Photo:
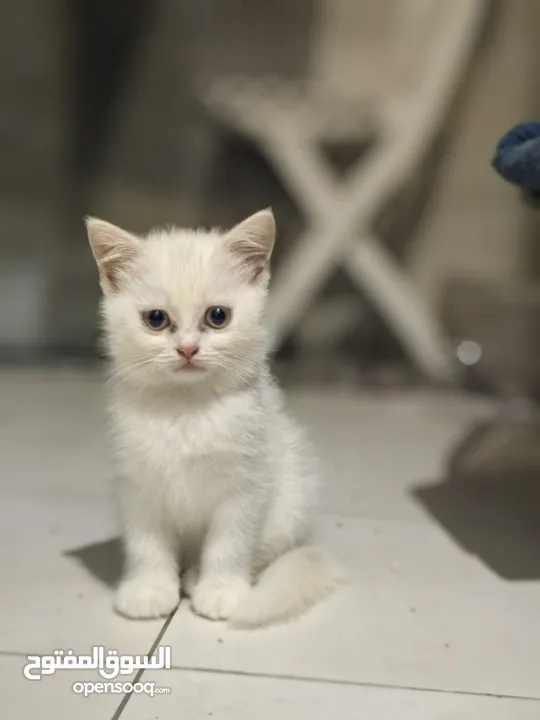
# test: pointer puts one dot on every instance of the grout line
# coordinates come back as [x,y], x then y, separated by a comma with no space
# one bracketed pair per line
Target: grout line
[290,678]
[121,707]
[350,683]
[16,653]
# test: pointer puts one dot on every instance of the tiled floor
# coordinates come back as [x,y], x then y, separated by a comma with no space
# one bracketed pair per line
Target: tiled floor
[425,629]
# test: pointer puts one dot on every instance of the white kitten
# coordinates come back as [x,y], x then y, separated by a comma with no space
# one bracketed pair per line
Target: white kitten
[216,483]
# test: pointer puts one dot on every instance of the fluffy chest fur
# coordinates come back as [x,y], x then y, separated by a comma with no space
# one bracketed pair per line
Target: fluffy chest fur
[190,453]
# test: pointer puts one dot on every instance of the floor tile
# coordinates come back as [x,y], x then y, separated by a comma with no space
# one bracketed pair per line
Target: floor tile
[51,697]
[418,612]
[374,448]
[201,696]
[57,518]
[424,607]
[50,598]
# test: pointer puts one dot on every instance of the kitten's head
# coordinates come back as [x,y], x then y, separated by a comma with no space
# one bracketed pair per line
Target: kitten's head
[184,306]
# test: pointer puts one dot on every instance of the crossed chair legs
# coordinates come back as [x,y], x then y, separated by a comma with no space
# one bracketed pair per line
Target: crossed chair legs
[340,214]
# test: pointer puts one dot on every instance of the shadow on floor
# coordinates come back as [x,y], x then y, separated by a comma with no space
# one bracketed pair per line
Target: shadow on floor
[491,505]
[104,561]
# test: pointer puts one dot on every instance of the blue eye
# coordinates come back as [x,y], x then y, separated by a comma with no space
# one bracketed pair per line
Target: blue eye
[217,317]
[156,319]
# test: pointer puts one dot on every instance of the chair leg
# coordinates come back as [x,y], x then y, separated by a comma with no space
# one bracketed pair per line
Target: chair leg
[375,272]
[298,281]
[373,269]
[318,252]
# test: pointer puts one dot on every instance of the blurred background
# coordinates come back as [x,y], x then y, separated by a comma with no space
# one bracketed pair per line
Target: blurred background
[201,113]
[110,109]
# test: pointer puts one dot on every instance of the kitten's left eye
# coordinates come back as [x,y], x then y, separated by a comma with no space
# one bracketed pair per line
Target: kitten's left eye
[156,319]
[217,317]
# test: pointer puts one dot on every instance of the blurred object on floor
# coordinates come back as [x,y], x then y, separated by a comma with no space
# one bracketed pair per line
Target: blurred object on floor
[419,71]
[490,500]
[502,443]
[493,478]
[496,328]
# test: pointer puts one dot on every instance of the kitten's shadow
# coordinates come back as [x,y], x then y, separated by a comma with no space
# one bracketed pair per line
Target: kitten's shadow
[104,560]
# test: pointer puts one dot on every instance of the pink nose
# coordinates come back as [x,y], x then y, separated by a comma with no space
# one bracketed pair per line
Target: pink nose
[188,351]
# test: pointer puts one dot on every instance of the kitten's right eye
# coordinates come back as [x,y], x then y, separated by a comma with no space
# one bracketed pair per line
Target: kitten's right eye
[156,319]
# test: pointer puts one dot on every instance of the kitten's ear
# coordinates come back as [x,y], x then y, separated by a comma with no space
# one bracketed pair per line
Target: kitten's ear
[252,242]
[113,249]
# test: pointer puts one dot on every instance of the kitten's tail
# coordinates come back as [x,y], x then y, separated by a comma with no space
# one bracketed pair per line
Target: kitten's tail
[288,587]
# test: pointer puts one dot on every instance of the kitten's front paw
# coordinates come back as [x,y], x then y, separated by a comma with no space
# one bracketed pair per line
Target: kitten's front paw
[216,598]
[147,597]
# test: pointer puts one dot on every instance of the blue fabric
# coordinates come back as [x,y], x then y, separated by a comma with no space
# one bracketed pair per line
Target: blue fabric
[517,156]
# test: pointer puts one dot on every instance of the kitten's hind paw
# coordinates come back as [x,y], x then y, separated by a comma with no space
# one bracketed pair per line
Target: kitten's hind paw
[146,597]
[216,598]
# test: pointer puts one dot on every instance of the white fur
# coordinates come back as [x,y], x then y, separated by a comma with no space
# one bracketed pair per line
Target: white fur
[216,481]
